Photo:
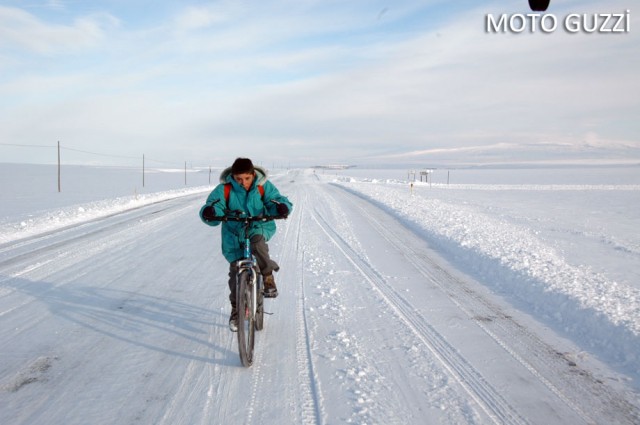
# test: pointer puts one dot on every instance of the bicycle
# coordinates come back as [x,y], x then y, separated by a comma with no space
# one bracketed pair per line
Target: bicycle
[249,296]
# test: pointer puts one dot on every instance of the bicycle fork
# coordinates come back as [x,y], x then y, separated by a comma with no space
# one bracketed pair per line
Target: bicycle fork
[246,266]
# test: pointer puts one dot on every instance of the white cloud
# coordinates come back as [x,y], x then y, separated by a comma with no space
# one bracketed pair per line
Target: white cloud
[20,28]
[193,18]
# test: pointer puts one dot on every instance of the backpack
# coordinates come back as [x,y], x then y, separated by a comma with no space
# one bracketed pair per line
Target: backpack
[227,191]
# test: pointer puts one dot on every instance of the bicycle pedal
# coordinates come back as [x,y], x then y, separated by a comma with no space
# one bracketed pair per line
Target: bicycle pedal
[270,294]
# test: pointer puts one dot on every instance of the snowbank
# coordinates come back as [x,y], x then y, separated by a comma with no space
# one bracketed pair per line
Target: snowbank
[36,223]
[513,261]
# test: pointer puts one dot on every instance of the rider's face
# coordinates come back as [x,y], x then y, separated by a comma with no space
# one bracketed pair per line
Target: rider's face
[244,179]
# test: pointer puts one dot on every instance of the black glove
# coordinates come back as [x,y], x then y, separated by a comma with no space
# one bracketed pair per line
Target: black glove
[208,213]
[282,209]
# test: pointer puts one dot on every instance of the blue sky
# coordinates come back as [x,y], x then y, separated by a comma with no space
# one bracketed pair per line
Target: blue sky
[307,82]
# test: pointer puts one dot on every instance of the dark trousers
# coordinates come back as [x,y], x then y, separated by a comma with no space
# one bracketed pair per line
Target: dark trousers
[260,250]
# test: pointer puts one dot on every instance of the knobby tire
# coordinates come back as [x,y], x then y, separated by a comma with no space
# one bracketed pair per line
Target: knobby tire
[260,309]
[246,319]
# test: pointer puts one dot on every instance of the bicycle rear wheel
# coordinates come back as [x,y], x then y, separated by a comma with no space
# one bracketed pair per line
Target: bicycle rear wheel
[246,319]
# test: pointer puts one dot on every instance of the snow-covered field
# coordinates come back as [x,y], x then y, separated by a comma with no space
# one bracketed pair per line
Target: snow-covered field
[502,296]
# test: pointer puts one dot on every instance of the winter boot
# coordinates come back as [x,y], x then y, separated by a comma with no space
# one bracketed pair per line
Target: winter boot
[233,320]
[270,290]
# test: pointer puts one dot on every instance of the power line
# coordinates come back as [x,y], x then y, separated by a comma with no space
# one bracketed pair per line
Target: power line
[118,156]
[162,162]
[174,164]
[28,146]
[98,154]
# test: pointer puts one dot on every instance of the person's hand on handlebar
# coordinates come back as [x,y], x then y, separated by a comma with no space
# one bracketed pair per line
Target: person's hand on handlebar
[208,213]
[282,209]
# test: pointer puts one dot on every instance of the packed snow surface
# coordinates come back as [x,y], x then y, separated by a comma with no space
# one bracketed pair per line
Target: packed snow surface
[478,296]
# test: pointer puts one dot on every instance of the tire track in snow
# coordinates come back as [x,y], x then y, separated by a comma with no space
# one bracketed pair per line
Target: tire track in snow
[465,298]
[556,372]
[361,385]
[256,380]
[290,257]
[308,404]
[39,257]
[311,406]
[126,318]
[204,382]
[494,405]
[26,255]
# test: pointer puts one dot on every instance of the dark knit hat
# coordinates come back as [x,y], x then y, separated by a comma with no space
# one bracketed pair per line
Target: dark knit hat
[242,166]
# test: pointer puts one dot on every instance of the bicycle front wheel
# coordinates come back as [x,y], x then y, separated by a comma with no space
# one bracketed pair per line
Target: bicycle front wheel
[246,320]
[260,306]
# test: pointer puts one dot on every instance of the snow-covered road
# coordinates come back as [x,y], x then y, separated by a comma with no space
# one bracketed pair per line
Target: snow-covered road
[123,320]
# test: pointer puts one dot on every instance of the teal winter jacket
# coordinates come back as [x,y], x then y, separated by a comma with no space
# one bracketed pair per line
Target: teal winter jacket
[250,202]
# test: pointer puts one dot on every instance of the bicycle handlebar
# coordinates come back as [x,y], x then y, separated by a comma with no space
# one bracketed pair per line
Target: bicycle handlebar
[247,218]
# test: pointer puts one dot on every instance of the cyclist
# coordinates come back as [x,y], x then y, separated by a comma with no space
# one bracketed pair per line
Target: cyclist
[244,187]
